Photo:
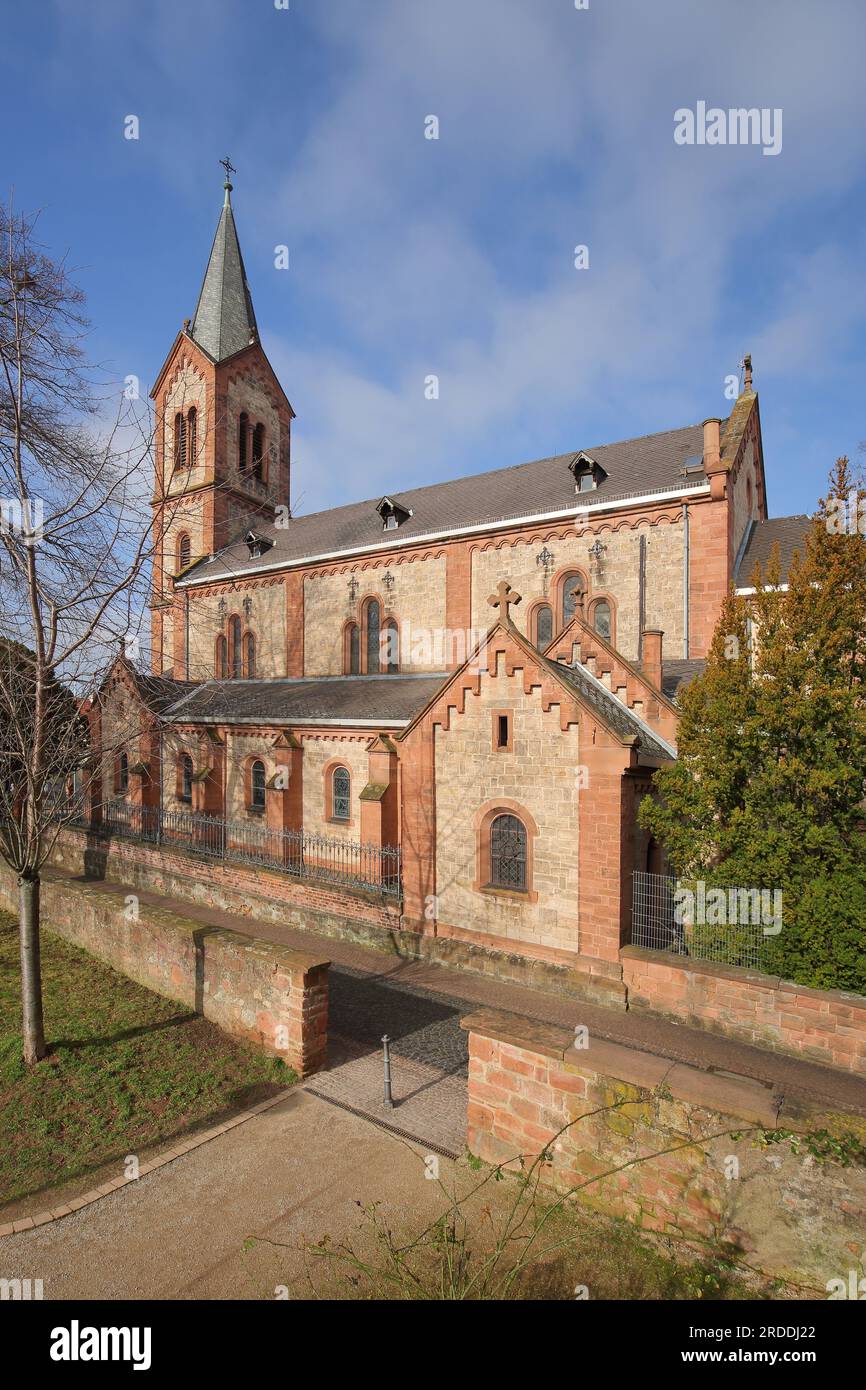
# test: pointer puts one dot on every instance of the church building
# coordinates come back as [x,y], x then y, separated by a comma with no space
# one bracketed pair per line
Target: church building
[454,695]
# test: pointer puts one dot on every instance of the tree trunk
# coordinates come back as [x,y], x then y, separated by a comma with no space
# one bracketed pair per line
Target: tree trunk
[33,1027]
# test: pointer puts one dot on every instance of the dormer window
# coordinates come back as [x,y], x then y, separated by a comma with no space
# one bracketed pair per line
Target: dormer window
[393,514]
[587,473]
[257,544]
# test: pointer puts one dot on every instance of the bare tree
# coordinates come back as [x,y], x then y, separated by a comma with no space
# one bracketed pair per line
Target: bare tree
[76,482]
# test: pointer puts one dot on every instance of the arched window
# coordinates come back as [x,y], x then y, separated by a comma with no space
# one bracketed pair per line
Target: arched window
[184,550]
[249,657]
[243,436]
[259,451]
[235,650]
[508,853]
[374,623]
[185,779]
[340,793]
[191,434]
[543,626]
[601,619]
[123,773]
[391,648]
[257,786]
[179,441]
[352,651]
[572,588]
[221,665]
[749,496]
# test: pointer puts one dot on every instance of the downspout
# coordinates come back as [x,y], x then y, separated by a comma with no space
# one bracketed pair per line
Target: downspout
[186,633]
[685,580]
[641,596]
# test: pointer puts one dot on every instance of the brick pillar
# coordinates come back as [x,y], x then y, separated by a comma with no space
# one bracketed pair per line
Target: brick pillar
[603,859]
[379,797]
[208,791]
[418,823]
[458,596]
[652,656]
[295,623]
[286,807]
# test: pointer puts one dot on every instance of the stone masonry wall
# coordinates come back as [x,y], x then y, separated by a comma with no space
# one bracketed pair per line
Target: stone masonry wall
[618,580]
[826,1026]
[417,597]
[538,775]
[663,1145]
[319,754]
[267,620]
[262,993]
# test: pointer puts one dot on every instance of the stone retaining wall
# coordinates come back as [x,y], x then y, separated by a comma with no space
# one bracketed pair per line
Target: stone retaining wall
[666,1146]
[823,1025]
[266,895]
[264,994]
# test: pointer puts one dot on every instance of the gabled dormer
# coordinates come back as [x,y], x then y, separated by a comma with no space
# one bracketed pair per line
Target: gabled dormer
[257,544]
[588,474]
[393,514]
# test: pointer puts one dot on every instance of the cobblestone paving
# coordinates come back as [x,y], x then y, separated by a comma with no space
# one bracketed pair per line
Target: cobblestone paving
[429,1058]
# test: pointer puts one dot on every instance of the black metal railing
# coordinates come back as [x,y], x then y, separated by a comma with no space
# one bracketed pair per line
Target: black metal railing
[328,859]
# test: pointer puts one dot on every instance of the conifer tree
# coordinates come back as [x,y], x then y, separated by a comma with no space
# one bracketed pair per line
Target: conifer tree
[768,789]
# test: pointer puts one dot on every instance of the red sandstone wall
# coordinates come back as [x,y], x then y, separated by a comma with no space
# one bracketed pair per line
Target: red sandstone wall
[264,994]
[826,1026]
[215,883]
[663,1145]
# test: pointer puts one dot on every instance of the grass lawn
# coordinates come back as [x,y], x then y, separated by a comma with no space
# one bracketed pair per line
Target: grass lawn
[127,1070]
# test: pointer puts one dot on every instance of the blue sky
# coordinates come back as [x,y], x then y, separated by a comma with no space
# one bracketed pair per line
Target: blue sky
[411,257]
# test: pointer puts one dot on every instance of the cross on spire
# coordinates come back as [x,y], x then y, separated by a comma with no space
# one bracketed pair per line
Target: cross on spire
[228,166]
[503,599]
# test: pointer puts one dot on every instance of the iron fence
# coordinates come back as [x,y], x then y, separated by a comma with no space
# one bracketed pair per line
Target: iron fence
[683,918]
[330,860]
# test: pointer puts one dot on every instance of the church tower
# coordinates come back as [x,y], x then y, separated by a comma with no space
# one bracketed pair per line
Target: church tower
[223,438]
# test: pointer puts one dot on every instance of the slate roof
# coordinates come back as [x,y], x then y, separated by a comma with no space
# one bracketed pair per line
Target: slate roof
[158,692]
[789,532]
[224,321]
[677,674]
[611,711]
[651,463]
[348,699]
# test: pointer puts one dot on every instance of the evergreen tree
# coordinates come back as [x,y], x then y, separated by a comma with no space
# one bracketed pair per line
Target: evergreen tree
[768,789]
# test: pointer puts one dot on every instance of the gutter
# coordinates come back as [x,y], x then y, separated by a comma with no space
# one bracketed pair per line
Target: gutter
[285,720]
[685,581]
[583,513]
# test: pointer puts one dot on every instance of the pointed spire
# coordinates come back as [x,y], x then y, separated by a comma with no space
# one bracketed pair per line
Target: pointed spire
[225,321]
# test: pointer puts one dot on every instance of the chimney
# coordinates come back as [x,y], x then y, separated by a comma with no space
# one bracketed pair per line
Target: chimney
[651,665]
[715,470]
[712,444]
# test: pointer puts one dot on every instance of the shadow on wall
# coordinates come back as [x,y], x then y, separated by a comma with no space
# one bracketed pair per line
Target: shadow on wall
[199,940]
[95,858]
